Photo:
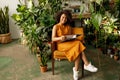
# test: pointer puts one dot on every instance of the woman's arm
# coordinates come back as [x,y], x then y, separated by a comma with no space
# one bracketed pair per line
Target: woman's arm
[54,35]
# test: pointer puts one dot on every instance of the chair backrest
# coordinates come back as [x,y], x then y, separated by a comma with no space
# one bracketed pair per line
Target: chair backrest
[78,30]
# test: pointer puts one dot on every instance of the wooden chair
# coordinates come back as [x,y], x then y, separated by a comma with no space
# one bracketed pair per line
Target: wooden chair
[60,55]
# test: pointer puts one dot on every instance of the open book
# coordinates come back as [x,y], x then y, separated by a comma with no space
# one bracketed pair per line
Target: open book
[71,37]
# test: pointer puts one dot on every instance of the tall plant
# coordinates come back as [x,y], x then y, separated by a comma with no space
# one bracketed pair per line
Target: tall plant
[36,22]
[95,17]
[118,8]
[4,20]
[95,20]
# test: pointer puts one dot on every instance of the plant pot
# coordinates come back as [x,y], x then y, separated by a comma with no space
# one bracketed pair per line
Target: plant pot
[23,38]
[38,58]
[111,56]
[116,58]
[5,38]
[23,41]
[49,44]
[43,68]
[100,49]
[35,49]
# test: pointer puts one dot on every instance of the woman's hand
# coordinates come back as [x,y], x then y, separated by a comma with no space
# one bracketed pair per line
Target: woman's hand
[63,38]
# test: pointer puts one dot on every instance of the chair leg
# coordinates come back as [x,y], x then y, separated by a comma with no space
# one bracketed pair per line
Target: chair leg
[53,66]
[82,64]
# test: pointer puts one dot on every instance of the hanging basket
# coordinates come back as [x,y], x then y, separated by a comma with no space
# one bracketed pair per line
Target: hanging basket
[5,38]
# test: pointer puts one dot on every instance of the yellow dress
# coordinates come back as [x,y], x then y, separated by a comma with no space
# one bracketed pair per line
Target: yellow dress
[71,49]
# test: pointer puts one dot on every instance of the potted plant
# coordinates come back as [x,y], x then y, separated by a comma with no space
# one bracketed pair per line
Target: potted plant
[44,56]
[36,23]
[4,25]
[117,51]
[30,19]
[116,56]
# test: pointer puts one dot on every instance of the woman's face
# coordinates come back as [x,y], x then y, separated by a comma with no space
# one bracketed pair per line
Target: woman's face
[63,19]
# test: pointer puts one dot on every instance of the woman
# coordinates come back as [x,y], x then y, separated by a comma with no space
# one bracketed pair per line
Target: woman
[73,49]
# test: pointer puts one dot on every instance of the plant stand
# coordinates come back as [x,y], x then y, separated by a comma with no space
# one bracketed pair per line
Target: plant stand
[5,38]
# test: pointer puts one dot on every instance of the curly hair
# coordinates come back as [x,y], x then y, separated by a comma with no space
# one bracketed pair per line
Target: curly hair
[67,13]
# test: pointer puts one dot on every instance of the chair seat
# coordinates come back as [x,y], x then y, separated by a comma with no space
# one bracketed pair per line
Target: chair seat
[59,55]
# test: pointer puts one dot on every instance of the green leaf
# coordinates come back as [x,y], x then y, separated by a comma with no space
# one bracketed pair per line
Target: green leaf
[96,20]
[91,8]
[16,17]
[21,8]
[99,1]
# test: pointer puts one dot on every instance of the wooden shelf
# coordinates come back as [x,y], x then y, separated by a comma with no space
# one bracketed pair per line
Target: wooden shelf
[76,16]
[76,6]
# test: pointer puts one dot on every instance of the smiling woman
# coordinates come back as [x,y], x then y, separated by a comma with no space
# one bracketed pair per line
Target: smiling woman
[73,50]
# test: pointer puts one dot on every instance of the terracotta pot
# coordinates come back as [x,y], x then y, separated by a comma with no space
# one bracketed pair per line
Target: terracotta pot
[38,58]
[100,49]
[5,38]
[116,58]
[23,38]
[23,41]
[49,43]
[43,68]
[35,49]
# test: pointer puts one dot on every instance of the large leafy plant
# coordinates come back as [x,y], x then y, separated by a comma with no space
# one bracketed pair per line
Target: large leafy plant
[94,22]
[102,22]
[36,22]
[109,25]
[41,16]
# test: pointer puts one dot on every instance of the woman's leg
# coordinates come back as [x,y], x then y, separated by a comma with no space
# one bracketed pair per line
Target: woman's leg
[77,63]
[84,58]
[87,65]
[76,68]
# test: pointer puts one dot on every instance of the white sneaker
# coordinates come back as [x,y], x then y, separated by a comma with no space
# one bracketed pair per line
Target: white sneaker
[75,74]
[90,68]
